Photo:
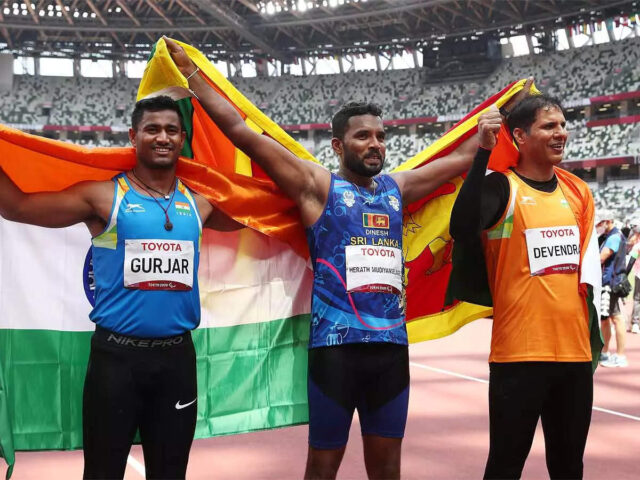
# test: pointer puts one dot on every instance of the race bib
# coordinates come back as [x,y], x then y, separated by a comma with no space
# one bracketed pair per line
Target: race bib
[553,249]
[373,269]
[158,264]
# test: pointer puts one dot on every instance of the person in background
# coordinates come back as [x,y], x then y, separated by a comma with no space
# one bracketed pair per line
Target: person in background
[612,258]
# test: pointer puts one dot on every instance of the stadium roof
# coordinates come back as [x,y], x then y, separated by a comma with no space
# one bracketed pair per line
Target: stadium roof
[232,29]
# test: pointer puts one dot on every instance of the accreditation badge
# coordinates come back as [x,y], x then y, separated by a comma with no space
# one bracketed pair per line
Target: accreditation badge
[553,249]
[158,264]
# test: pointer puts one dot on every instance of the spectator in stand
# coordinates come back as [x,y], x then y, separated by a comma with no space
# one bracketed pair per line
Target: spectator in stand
[612,258]
[634,267]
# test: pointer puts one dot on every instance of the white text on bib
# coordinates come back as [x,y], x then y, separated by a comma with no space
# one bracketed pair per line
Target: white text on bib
[158,264]
[553,249]
[373,269]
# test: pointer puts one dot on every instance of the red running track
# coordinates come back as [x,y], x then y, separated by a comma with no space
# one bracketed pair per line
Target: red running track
[447,432]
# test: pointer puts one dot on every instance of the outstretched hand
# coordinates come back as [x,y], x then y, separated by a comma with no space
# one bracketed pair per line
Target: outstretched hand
[489,124]
[180,57]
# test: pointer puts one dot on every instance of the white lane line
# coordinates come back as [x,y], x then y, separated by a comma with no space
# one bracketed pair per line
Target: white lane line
[448,372]
[619,414]
[482,380]
[136,465]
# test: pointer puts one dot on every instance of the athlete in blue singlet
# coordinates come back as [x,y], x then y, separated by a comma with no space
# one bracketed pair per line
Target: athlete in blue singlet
[356,251]
[146,228]
[358,356]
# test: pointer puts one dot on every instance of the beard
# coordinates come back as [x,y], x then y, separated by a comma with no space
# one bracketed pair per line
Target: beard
[357,165]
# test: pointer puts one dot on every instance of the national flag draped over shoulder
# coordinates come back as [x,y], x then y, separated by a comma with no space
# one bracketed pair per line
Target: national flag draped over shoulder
[427,244]
[255,284]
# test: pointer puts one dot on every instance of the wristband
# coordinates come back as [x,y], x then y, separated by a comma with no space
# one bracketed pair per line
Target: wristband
[193,73]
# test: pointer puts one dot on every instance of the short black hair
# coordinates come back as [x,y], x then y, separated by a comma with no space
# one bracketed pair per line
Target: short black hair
[352,109]
[154,104]
[524,113]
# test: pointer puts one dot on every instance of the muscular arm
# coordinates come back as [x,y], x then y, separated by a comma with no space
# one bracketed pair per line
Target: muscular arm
[214,218]
[418,183]
[87,202]
[306,183]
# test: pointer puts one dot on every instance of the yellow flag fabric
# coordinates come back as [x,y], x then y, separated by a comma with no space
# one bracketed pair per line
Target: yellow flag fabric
[427,243]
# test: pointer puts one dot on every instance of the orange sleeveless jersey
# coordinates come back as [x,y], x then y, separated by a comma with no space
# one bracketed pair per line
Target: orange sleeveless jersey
[536,317]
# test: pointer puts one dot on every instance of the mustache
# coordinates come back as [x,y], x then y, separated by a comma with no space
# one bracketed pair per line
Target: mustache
[374,154]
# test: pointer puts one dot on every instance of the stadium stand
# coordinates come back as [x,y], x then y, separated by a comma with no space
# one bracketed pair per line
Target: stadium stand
[573,75]
[290,100]
[604,141]
[623,197]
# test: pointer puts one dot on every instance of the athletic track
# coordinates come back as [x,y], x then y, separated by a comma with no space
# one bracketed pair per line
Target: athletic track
[447,432]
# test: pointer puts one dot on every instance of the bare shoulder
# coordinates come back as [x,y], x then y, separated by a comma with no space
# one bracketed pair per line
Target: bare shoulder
[204,206]
[100,195]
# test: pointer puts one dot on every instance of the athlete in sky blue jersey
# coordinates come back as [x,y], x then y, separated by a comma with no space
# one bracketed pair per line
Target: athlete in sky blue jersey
[145,227]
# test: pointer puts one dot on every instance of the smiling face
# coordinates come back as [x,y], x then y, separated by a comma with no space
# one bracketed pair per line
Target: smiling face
[158,139]
[545,140]
[362,150]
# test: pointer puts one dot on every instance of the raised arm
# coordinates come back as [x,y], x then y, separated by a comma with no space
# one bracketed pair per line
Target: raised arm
[306,183]
[418,183]
[87,202]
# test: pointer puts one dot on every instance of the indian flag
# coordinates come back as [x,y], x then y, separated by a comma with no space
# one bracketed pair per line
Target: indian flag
[183,208]
[255,283]
[251,343]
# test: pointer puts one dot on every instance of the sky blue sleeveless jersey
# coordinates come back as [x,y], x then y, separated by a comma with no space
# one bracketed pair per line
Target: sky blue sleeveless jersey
[353,222]
[135,249]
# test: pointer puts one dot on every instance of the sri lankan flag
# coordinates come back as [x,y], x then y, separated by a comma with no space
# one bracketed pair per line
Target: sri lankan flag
[255,284]
[375,220]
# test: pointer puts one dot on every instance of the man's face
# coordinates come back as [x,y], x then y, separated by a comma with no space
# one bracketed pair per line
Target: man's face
[362,149]
[547,137]
[604,226]
[158,139]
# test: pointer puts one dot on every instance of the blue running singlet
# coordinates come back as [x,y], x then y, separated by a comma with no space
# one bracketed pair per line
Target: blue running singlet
[146,277]
[356,252]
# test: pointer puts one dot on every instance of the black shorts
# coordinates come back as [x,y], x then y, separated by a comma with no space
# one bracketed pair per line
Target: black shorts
[614,305]
[370,377]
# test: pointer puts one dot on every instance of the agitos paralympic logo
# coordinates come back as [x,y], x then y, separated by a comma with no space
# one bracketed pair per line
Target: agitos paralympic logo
[88,279]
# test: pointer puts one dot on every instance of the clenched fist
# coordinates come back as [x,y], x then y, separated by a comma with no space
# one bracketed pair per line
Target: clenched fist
[489,124]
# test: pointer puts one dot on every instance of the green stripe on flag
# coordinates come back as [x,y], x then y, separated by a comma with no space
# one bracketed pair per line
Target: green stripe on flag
[186,110]
[6,439]
[250,377]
